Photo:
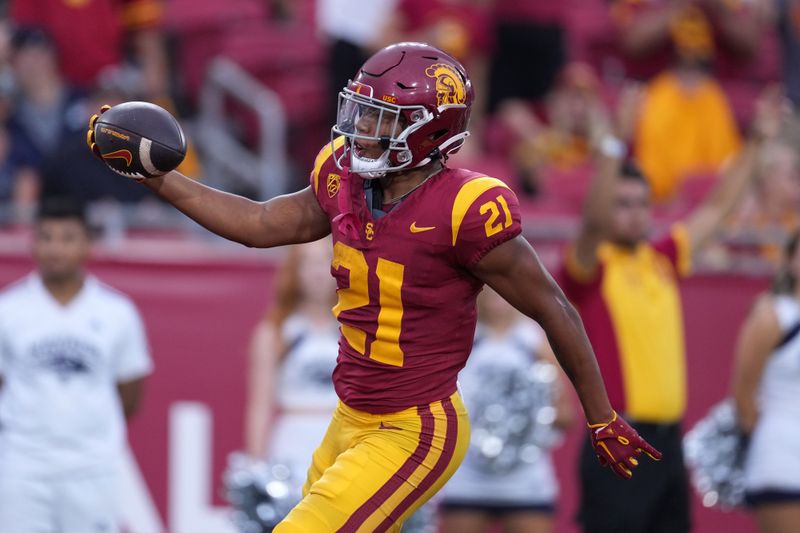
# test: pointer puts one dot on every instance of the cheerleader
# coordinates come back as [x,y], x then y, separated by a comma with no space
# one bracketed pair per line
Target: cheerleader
[520,497]
[766,387]
[292,356]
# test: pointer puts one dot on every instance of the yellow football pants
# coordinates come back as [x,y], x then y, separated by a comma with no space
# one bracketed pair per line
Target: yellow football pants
[371,472]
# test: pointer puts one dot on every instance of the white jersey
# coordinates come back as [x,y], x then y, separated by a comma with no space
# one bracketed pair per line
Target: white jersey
[773,460]
[529,483]
[60,413]
[306,397]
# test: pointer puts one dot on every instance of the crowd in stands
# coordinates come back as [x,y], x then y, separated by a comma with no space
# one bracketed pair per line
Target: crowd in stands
[677,81]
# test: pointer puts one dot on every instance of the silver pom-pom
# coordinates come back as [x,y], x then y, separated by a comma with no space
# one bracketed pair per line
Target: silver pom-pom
[512,416]
[715,450]
[261,493]
[423,520]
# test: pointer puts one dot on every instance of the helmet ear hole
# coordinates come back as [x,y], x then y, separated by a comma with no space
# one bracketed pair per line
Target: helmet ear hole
[438,134]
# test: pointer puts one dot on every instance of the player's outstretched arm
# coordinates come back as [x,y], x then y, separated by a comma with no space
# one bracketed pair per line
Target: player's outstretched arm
[513,270]
[288,219]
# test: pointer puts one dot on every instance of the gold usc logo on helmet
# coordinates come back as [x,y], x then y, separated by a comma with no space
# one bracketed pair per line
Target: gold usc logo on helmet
[449,85]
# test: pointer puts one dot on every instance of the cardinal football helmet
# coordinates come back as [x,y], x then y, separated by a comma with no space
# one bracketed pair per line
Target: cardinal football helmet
[418,99]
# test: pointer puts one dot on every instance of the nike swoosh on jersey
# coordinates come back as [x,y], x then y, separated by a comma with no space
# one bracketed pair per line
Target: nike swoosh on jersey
[419,229]
[384,425]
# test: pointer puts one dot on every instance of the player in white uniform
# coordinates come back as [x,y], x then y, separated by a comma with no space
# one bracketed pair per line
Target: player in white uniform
[766,387]
[522,495]
[73,355]
[293,355]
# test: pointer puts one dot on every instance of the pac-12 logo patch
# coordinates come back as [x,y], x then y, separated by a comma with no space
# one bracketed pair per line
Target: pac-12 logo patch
[449,85]
[334,181]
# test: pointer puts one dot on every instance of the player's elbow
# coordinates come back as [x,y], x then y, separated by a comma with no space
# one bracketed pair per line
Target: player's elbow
[553,306]
[257,240]
[557,296]
[252,243]
[565,307]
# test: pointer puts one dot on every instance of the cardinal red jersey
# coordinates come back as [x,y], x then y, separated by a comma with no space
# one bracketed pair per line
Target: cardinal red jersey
[406,295]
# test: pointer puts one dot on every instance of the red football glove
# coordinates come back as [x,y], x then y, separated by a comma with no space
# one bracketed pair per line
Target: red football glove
[617,445]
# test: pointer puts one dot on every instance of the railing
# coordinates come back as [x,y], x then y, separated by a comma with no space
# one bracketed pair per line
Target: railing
[230,165]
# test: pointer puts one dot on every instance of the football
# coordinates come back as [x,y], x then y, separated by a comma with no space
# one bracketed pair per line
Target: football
[140,139]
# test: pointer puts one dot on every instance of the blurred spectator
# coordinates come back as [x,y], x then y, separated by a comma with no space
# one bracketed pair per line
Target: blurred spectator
[626,288]
[6,70]
[73,356]
[772,209]
[120,48]
[13,194]
[98,38]
[789,32]
[46,110]
[686,126]
[766,387]
[7,174]
[353,32]
[654,34]
[553,155]
[530,49]
[522,494]
[73,171]
[459,27]
[292,356]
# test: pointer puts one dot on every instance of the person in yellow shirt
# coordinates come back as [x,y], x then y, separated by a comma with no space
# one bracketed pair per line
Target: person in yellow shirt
[626,288]
[686,127]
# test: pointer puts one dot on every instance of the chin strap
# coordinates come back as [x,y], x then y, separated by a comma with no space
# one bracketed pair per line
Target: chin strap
[346,221]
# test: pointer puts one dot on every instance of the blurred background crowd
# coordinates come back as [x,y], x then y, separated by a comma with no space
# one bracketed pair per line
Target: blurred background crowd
[255,84]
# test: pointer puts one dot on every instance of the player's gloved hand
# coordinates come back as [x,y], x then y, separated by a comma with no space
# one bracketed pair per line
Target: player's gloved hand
[90,133]
[618,445]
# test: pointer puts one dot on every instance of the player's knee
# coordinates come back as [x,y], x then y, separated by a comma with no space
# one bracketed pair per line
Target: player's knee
[303,519]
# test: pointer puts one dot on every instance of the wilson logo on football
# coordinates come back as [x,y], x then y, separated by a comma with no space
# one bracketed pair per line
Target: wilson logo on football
[120,154]
[113,133]
[450,88]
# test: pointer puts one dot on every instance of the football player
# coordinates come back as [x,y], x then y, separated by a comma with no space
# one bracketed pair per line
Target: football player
[413,243]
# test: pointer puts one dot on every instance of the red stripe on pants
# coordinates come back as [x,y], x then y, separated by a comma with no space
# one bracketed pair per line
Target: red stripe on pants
[450,439]
[399,477]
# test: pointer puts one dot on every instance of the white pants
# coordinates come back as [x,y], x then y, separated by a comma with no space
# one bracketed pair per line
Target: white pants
[84,505]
